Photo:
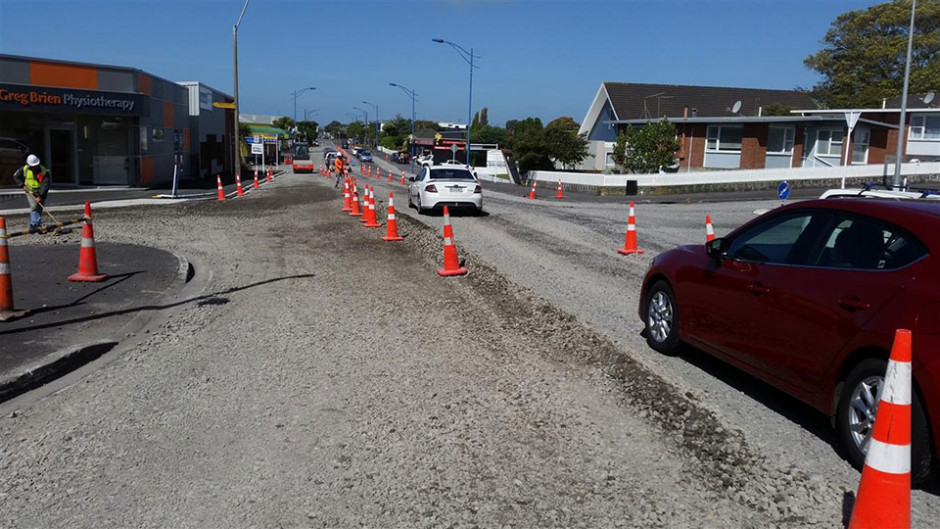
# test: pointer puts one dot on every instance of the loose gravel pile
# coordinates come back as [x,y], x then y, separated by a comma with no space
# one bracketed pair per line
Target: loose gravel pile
[323,378]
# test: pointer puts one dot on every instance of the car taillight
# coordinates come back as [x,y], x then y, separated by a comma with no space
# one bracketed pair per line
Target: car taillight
[431,188]
[478,189]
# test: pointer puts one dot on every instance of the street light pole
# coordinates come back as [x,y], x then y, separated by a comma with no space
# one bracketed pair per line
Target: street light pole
[467,56]
[237,159]
[377,125]
[902,128]
[411,144]
[296,95]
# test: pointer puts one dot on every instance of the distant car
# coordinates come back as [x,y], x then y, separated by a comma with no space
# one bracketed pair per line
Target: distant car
[425,160]
[401,157]
[365,156]
[345,144]
[438,186]
[808,298]
[453,163]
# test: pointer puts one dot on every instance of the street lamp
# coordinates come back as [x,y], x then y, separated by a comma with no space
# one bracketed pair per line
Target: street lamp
[902,128]
[238,155]
[377,126]
[411,144]
[312,111]
[467,56]
[365,118]
[296,95]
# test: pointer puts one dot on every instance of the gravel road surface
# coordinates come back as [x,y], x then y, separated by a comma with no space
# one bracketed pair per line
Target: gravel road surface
[318,377]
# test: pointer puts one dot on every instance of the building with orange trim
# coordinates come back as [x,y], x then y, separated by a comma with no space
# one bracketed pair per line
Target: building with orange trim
[107,125]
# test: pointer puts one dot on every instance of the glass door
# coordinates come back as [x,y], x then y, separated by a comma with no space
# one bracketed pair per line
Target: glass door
[62,156]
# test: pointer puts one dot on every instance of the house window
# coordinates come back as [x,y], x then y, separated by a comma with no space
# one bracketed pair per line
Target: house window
[829,142]
[609,162]
[780,140]
[860,145]
[925,127]
[724,137]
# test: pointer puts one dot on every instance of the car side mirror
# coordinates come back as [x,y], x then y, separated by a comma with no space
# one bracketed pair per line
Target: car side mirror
[411,179]
[717,248]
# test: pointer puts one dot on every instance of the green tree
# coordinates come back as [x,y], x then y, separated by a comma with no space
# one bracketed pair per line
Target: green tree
[620,147]
[490,134]
[475,124]
[777,109]
[864,54]
[650,148]
[484,117]
[426,125]
[563,143]
[285,123]
[357,131]
[335,129]
[308,129]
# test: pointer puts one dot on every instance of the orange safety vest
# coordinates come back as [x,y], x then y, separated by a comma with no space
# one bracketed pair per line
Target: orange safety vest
[338,164]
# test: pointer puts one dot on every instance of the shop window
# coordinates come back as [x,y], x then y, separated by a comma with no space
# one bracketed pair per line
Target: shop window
[780,140]
[724,138]
[925,127]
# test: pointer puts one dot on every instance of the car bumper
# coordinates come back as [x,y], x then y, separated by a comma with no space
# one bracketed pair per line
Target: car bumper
[474,202]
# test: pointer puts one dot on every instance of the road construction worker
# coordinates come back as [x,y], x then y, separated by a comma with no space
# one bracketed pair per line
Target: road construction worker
[339,167]
[35,180]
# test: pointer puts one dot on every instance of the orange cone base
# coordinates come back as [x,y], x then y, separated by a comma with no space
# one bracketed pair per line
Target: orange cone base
[392,239]
[371,224]
[624,251]
[88,278]
[12,314]
[455,272]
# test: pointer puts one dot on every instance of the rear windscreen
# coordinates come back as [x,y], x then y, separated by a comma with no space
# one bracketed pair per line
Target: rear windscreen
[451,174]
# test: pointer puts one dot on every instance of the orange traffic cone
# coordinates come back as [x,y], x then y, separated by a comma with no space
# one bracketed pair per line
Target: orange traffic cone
[372,222]
[451,263]
[402,178]
[709,230]
[87,257]
[355,204]
[269,174]
[559,195]
[532,193]
[255,185]
[218,179]
[884,492]
[238,183]
[389,176]
[347,198]
[364,203]
[391,232]
[630,243]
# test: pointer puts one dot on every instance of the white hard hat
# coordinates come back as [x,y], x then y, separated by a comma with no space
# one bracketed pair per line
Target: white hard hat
[32,160]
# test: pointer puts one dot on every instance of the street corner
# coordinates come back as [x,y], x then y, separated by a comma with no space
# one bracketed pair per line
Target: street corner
[69,311]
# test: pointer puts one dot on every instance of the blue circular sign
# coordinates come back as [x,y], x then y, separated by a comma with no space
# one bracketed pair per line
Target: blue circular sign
[783,190]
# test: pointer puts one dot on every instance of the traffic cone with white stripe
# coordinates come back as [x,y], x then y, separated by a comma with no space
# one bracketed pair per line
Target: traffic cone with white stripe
[451,263]
[269,174]
[402,178]
[255,185]
[7,312]
[87,257]
[389,176]
[709,230]
[238,183]
[218,180]
[559,195]
[629,245]
[372,222]
[364,203]
[347,197]
[532,193]
[884,492]
[391,232]
[354,212]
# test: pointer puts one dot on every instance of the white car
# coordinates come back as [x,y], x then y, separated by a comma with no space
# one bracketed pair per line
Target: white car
[869,192]
[438,185]
[425,161]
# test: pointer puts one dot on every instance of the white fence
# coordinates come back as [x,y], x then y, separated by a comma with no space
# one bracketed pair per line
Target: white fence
[873,172]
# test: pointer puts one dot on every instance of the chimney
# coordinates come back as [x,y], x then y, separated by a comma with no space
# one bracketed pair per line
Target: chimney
[685,112]
[884,102]
[694,112]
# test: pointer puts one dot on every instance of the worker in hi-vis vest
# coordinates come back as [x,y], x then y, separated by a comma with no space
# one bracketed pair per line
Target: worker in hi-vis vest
[34,179]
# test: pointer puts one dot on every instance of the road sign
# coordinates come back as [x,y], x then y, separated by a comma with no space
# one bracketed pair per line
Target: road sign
[257,148]
[220,104]
[257,139]
[454,148]
[783,190]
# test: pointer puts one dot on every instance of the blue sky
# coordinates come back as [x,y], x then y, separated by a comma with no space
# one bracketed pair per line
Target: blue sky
[539,58]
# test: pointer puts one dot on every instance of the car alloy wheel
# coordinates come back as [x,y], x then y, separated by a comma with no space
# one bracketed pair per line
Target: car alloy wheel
[863,405]
[662,323]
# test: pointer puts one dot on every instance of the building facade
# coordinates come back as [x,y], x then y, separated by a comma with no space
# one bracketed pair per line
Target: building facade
[210,130]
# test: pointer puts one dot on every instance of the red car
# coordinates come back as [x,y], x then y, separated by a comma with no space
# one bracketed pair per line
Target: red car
[807,298]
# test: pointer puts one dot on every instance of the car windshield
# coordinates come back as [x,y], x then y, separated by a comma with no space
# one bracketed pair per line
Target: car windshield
[301,152]
[451,174]
[366,153]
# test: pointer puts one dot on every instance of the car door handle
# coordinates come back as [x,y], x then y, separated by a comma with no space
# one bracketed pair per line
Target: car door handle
[853,303]
[758,289]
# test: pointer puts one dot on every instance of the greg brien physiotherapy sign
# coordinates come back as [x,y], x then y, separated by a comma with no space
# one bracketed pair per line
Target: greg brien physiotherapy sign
[50,99]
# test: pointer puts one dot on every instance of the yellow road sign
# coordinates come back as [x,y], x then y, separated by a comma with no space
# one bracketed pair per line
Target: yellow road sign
[220,104]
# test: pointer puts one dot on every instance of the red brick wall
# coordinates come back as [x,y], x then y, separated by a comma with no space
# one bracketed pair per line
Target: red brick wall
[697,133]
[878,148]
[754,146]
[798,147]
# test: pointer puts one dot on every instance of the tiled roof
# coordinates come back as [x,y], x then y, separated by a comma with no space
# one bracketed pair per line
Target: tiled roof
[914,101]
[652,101]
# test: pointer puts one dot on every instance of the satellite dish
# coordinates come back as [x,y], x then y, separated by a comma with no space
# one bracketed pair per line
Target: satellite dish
[736,107]
[928,98]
